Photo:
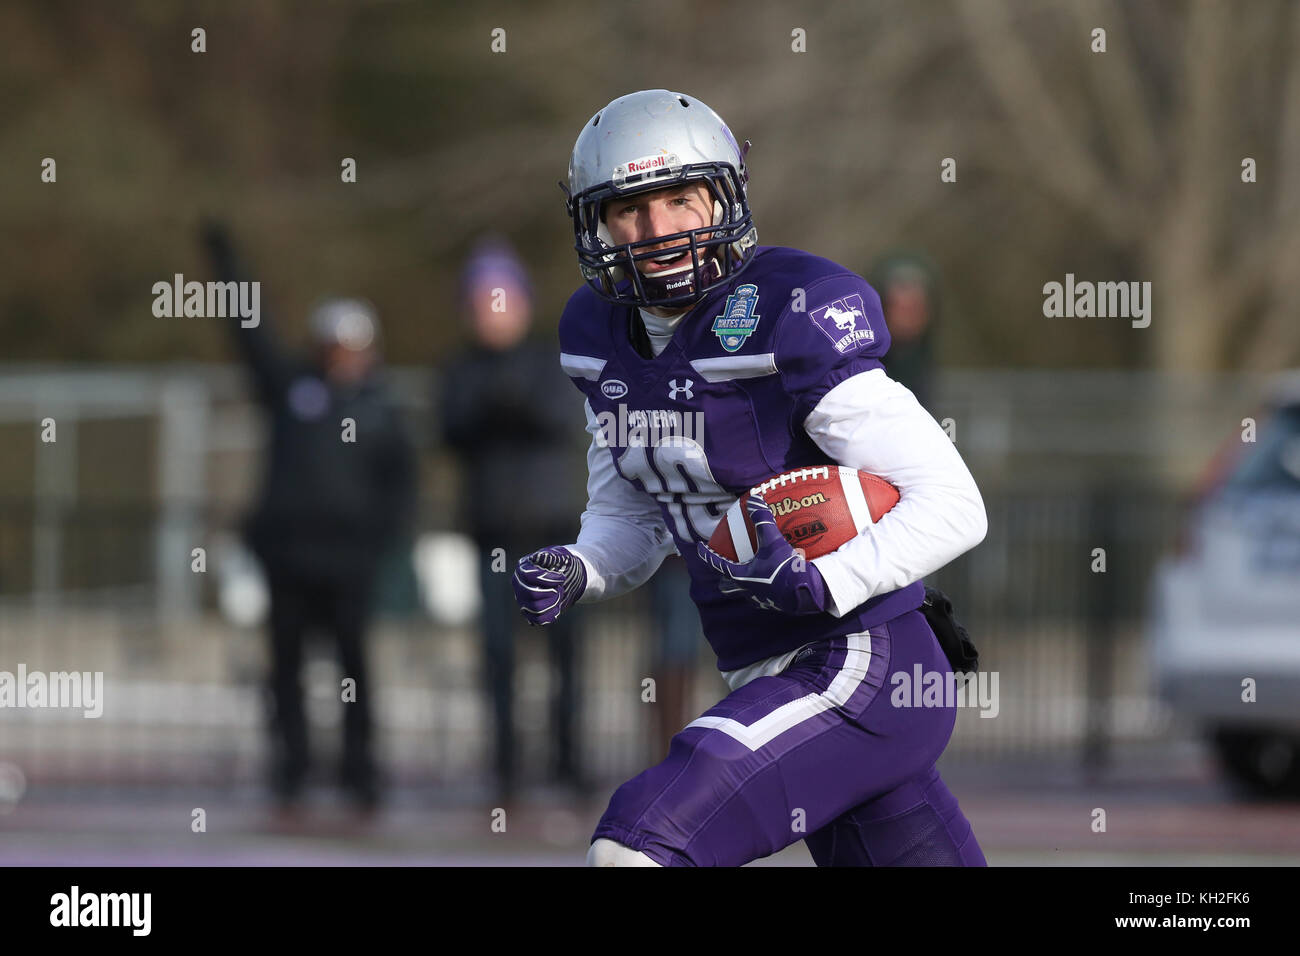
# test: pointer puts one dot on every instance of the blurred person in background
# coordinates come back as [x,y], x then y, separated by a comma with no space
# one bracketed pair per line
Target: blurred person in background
[909,297]
[678,638]
[505,418]
[330,508]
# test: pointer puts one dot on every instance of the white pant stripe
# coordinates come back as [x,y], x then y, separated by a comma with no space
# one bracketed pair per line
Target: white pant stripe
[764,730]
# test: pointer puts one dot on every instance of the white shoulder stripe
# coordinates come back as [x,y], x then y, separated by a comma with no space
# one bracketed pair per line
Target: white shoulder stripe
[736,366]
[581,366]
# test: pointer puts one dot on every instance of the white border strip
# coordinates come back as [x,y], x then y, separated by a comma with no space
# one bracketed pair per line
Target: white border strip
[767,728]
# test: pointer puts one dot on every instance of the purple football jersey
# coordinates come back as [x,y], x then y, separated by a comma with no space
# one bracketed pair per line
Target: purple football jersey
[722,408]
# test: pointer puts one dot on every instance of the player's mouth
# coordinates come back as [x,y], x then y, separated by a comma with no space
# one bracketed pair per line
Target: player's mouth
[665,263]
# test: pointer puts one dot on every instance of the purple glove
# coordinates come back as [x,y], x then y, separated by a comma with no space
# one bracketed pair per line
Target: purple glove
[547,583]
[777,577]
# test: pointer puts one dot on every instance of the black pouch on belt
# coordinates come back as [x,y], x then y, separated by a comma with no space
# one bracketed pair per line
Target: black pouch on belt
[956,643]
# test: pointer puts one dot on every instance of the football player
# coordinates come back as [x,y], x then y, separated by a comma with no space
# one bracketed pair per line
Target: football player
[710,363]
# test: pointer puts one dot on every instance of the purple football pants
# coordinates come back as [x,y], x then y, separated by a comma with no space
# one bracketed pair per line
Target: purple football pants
[816,753]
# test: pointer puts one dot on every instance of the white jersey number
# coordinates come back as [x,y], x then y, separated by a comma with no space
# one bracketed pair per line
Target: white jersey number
[677,473]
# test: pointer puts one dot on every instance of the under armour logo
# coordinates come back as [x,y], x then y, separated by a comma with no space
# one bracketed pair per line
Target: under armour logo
[674,389]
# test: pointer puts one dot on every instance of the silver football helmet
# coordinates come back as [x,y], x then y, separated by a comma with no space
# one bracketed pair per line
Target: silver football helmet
[649,140]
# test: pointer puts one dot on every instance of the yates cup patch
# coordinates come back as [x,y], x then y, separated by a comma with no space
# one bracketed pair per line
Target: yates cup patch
[738,320]
[844,322]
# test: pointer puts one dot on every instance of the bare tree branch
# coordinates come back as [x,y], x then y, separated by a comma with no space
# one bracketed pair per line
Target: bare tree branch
[1132,129]
[1278,338]
[1035,121]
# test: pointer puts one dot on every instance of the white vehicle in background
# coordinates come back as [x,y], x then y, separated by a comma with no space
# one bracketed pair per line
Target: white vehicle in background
[1225,623]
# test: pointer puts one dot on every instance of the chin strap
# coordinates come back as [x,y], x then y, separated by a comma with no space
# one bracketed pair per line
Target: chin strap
[660,287]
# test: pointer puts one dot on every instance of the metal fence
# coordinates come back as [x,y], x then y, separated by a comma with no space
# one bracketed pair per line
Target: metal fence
[93,578]
[184,691]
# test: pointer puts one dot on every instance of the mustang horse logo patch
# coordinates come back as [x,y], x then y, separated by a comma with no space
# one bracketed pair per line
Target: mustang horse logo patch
[844,322]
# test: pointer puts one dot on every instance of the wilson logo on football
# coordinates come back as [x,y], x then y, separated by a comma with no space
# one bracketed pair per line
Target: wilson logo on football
[787,505]
[817,509]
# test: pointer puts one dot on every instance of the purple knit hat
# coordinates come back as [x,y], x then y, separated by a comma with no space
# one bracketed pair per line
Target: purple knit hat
[491,264]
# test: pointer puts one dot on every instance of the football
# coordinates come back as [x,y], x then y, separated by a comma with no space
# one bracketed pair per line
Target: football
[817,509]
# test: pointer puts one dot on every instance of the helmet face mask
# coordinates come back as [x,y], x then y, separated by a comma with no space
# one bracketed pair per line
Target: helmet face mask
[610,163]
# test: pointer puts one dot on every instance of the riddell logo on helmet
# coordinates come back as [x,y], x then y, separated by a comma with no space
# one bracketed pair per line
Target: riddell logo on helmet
[647,163]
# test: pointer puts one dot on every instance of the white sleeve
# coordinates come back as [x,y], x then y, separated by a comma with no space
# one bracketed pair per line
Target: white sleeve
[623,538]
[872,423]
